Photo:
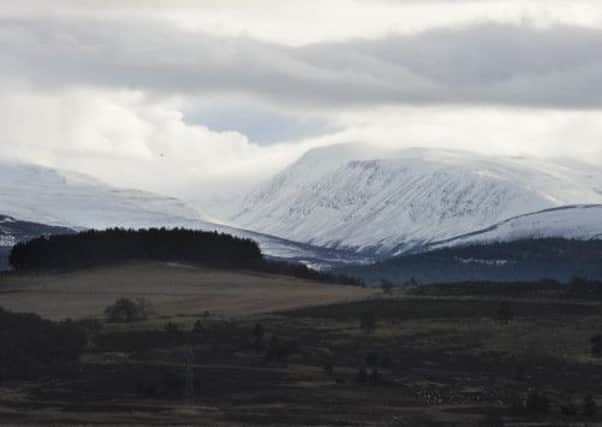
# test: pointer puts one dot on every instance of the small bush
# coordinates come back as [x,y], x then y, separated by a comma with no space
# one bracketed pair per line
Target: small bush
[198,328]
[171,328]
[368,322]
[258,334]
[504,313]
[387,287]
[32,346]
[280,350]
[569,409]
[361,376]
[596,342]
[375,377]
[124,310]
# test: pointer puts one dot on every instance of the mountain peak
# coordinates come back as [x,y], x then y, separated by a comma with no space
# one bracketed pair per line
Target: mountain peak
[374,200]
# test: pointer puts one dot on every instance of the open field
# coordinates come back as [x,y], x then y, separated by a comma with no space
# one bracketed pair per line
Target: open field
[424,360]
[173,290]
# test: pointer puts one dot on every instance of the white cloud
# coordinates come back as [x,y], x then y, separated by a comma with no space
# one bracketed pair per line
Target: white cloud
[129,139]
[155,98]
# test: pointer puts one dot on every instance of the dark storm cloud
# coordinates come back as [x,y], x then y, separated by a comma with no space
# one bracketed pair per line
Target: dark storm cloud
[559,67]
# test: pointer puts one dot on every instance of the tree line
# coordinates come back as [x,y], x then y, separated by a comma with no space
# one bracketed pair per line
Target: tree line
[113,246]
[95,248]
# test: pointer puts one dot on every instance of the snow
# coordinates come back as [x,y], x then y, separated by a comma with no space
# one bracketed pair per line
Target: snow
[384,203]
[35,193]
[582,222]
[52,197]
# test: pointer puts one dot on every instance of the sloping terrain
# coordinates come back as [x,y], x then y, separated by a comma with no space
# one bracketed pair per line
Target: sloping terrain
[13,231]
[36,193]
[389,202]
[573,222]
[526,260]
[172,289]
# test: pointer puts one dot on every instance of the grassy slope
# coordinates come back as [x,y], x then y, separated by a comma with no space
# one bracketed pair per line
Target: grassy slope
[174,290]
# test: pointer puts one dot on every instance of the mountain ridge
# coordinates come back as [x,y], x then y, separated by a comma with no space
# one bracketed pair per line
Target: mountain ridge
[414,197]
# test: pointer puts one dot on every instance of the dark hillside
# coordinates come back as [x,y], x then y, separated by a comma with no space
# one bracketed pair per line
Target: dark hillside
[519,261]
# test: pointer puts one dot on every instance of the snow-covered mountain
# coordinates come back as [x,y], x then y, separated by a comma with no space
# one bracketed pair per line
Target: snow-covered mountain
[386,203]
[581,222]
[57,198]
[36,193]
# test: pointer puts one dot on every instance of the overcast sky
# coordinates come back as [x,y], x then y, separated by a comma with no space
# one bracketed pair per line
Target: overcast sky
[193,98]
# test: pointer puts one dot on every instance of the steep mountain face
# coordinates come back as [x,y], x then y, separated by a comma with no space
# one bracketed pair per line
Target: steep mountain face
[45,195]
[388,203]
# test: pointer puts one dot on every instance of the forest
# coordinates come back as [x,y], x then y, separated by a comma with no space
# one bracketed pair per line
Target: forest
[95,248]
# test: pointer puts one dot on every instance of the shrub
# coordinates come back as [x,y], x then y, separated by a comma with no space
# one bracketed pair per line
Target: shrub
[368,322]
[504,313]
[569,409]
[32,346]
[198,328]
[124,310]
[375,377]
[258,333]
[596,342]
[387,287]
[280,350]
[362,376]
[172,328]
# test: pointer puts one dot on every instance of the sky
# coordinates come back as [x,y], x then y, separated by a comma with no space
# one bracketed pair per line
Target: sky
[207,98]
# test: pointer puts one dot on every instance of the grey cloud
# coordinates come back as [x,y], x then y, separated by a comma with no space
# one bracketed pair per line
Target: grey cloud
[559,67]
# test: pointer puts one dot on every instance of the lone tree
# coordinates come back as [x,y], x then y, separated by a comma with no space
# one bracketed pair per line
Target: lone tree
[125,310]
[387,287]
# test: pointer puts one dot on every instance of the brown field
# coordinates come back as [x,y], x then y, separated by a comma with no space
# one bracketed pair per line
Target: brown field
[172,289]
[434,360]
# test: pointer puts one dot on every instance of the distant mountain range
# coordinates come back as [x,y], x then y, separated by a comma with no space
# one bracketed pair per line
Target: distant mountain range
[349,205]
[58,200]
[384,203]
